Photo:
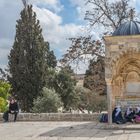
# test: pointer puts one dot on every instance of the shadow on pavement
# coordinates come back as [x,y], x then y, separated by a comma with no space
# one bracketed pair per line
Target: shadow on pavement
[82,130]
[91,130]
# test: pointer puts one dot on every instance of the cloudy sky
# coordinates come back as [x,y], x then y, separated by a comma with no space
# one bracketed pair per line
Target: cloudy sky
[60,19]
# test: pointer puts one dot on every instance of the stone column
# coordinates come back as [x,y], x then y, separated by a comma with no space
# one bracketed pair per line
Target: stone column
[109,101]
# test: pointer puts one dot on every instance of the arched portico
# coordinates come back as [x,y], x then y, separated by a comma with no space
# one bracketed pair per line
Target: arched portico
[122,71]
[126,77]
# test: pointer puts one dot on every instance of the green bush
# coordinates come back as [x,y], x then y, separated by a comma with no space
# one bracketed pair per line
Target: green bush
[3,105]
[4,93]
[97,105]
[89,101]
[47,103]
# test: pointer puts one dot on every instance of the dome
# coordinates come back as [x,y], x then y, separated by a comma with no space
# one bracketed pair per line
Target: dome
[128,28]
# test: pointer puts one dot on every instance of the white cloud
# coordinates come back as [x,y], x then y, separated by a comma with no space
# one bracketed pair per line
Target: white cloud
[80,7]
[57,33]
[53,29]
[54,5]
[9,13]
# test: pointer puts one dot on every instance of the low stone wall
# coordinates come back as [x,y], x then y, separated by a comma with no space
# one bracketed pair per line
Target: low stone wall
[54,117]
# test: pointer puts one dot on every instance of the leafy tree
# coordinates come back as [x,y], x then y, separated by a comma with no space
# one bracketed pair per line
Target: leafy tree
[83,97]
[65,87]
[27,59]
[47,103]
[63,83]
[95,76]
[4,94]
[89,100]
[97,104]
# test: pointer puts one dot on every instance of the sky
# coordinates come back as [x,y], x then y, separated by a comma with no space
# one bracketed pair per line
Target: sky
[59,19]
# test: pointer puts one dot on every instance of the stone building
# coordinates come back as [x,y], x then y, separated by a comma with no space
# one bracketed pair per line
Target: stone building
[122,66]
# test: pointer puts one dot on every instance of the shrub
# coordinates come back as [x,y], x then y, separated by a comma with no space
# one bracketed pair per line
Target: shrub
[97,105]
[48,102]
[90,101]
[4,93]
[3,104]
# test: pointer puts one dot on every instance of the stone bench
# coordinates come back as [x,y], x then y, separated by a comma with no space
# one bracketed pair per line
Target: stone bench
[55,117]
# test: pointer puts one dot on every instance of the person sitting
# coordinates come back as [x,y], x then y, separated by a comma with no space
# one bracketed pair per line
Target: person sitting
[13,109]
[129,114]
[137,111]
[117,115]
[137,115]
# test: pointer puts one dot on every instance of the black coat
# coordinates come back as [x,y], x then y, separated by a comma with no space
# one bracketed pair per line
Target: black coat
[13,107]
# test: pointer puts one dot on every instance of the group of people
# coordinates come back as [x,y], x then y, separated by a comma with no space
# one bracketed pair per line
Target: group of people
[130,115]
[12,109]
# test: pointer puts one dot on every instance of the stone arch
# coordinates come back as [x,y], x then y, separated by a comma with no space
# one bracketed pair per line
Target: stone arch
[133,76]
[127,60]
[124,52]
[127,70]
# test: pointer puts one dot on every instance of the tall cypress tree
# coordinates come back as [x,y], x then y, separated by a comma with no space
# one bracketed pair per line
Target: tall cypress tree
[27,66]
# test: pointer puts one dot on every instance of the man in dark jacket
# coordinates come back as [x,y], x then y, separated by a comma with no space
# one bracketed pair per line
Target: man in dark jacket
[13,109]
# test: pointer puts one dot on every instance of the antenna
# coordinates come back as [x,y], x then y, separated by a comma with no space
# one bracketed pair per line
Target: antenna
[25,3]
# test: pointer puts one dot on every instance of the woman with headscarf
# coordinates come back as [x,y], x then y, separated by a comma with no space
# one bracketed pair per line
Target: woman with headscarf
[137,111]
[117,115]
[129,114]
[137,115]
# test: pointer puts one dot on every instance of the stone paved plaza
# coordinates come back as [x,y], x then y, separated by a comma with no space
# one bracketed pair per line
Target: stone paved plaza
[67,131]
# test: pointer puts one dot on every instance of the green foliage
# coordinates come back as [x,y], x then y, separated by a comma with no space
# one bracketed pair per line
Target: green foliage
[50,57]
[84,96]
[63,83]
[97,105]
[3,105]
[88,100]
[4,89]
[51,81]
[4,93]
[48,102]
[65,88]
[27,59]
[95,76]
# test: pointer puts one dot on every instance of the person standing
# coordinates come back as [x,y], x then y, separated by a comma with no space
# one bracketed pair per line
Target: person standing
[13,109]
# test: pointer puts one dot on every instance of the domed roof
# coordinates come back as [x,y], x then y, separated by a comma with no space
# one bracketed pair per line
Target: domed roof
[128,28]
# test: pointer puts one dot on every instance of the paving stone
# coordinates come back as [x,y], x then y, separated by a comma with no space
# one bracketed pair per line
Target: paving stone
[67,131]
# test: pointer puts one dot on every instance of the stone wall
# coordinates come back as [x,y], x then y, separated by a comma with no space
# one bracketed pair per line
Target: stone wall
[54,117]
